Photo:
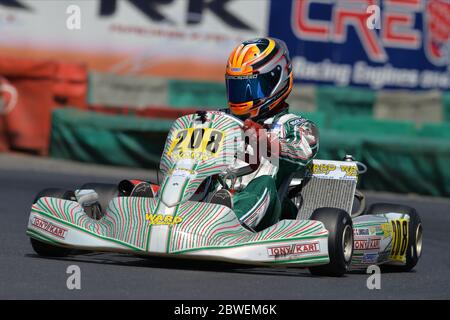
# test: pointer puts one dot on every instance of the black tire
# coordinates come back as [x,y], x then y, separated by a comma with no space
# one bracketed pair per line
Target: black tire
[54,193]
[414,250]
[339,225]
[105,191]
[43,248]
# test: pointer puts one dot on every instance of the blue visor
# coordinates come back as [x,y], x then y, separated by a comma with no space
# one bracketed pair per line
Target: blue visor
[245,89]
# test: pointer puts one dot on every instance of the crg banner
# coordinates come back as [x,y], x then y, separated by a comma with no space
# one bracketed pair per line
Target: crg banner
[177,38]
[405,43]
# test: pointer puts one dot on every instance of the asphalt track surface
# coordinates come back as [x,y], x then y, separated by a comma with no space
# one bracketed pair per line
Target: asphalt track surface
[24,275]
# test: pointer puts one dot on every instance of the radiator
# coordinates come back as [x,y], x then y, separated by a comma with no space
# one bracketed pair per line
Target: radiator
[321,192]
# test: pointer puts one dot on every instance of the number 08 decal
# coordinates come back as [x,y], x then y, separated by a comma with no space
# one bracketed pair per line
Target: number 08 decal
[399,239]
[196,143]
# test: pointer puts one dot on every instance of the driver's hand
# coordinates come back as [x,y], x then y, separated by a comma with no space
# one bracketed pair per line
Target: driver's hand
[257,133]
[250,124]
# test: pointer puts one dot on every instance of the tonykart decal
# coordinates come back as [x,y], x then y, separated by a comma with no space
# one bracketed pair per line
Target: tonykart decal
[367,244]
[293,249]
[49,227]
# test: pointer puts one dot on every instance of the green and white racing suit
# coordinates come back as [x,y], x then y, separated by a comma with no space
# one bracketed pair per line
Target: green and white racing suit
[256,201]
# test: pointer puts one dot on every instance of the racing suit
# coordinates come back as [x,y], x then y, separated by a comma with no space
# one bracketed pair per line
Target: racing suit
[257,203]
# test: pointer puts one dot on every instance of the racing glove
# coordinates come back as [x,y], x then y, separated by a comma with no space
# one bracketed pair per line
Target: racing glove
[259,132]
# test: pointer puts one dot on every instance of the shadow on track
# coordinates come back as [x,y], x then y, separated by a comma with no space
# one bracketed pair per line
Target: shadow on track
[178,264]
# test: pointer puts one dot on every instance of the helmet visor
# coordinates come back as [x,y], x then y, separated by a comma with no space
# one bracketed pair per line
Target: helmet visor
[248,88]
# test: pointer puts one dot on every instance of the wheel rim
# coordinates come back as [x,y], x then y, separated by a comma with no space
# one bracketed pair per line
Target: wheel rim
[347,243]
[419,240]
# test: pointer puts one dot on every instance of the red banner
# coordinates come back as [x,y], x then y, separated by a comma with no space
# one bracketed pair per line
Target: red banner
[31,91]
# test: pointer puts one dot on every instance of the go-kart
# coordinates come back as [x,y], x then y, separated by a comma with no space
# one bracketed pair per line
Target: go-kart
[177,217]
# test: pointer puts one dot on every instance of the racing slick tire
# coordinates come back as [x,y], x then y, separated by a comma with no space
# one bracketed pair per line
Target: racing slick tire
[414,250]
[340,241]
[105,191]
[42,248]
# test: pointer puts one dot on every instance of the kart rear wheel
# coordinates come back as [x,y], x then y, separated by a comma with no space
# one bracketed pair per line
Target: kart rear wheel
[42,248]
[414,250]
[340,241]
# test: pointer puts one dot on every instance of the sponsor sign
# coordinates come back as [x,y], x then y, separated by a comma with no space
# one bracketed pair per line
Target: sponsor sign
[176,38]
[349,171]
[361,232]
[370,258]
[160,219]
[387,229]
[375,230]
[368,231]
[332,169]
[323,168]
[332,43]
[49,227]
[294,249]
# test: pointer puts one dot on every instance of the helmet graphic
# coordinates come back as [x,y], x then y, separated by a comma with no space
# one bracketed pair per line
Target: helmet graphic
[258,77]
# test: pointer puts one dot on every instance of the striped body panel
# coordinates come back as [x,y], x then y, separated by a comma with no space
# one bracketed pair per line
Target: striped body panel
[203,168]
[203,227]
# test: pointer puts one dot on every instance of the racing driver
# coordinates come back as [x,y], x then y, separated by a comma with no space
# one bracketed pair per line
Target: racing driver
[258,80]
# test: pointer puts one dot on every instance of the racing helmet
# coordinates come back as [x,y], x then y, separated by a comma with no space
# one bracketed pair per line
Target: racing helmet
[258,78]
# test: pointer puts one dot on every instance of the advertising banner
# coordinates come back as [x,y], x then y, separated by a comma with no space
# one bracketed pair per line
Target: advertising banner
[379,44]
[170,38]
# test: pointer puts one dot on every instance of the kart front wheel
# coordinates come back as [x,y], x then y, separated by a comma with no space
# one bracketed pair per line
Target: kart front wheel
[48,250]
[43,248]
[414,250]
[340,241]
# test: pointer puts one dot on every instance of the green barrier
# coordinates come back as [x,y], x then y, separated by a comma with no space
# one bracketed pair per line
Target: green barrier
[202,95]
[317,117]
[395,162]
[335,101]
[399,165]
[335,145]
[374,127]
[107,139]
[446,106]
[435,130]
[114,90]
